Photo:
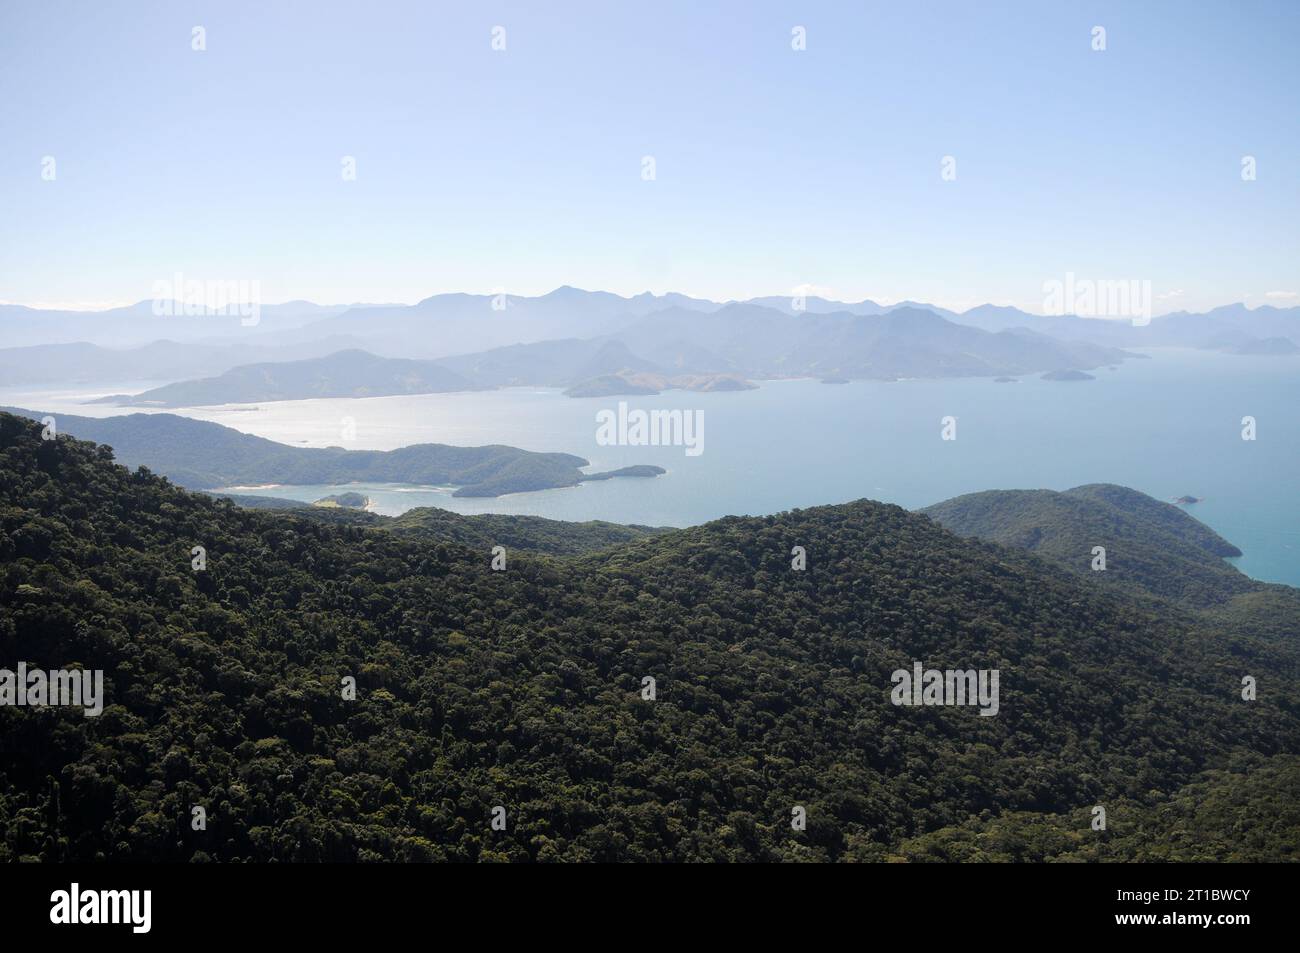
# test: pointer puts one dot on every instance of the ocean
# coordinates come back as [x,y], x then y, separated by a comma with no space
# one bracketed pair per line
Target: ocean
[1168,425]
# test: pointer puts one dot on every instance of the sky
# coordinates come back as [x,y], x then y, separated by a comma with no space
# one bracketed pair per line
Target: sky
[775,170]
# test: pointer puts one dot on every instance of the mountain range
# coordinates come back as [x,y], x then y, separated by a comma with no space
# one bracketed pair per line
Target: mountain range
[140,324]
[569,338]
[671,348]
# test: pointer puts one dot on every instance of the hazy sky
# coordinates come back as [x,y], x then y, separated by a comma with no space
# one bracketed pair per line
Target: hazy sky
[520,170]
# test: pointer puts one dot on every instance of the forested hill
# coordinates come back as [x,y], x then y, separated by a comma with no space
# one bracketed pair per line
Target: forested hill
[536,534]
[522,689]
[1149,545]
[204,455]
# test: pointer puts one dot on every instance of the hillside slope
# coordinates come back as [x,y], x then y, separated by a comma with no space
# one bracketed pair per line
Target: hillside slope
[1151,546]
[534,534]
[522,688]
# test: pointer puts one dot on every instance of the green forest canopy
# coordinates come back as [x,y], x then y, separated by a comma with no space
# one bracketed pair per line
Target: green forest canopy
[522,688]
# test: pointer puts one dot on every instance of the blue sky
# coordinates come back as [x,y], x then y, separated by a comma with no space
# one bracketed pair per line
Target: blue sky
[520,170]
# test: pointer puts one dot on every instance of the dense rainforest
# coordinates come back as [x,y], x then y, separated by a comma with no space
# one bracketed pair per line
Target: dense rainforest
[1150,546]
[522,688]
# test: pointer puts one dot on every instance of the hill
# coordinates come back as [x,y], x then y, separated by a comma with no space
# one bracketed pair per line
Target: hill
[1151,547]
[204,455]
[532,534]
[523,689]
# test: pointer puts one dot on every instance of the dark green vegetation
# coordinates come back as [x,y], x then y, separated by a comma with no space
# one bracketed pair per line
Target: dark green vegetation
[522,688]
[1249,811]
[533,534]
[204,455]
[265,502]
[1155,552]
[350,373]
[1151,547]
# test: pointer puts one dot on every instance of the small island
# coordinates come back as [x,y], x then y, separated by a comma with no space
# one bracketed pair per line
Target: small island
[1005,380]
[640,470]
[1187,500]
[350,500]
[835,380]
[1067,376]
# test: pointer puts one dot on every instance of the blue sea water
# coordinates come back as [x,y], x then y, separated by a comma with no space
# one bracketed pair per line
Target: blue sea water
[1168,426]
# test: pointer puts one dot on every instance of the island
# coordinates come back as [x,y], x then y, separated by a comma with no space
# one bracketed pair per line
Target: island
[1005,380]
[350,500]
[640,470]
[1187,500]
[1067,376]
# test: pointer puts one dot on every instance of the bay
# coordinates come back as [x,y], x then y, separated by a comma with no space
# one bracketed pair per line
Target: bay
[1168,426]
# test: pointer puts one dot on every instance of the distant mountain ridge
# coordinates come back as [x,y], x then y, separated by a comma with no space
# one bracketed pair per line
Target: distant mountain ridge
[350,373]
[139,324]
[80,362]
[582,340]
[447,324]
[750,341]
[1229,327]
[676,347]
